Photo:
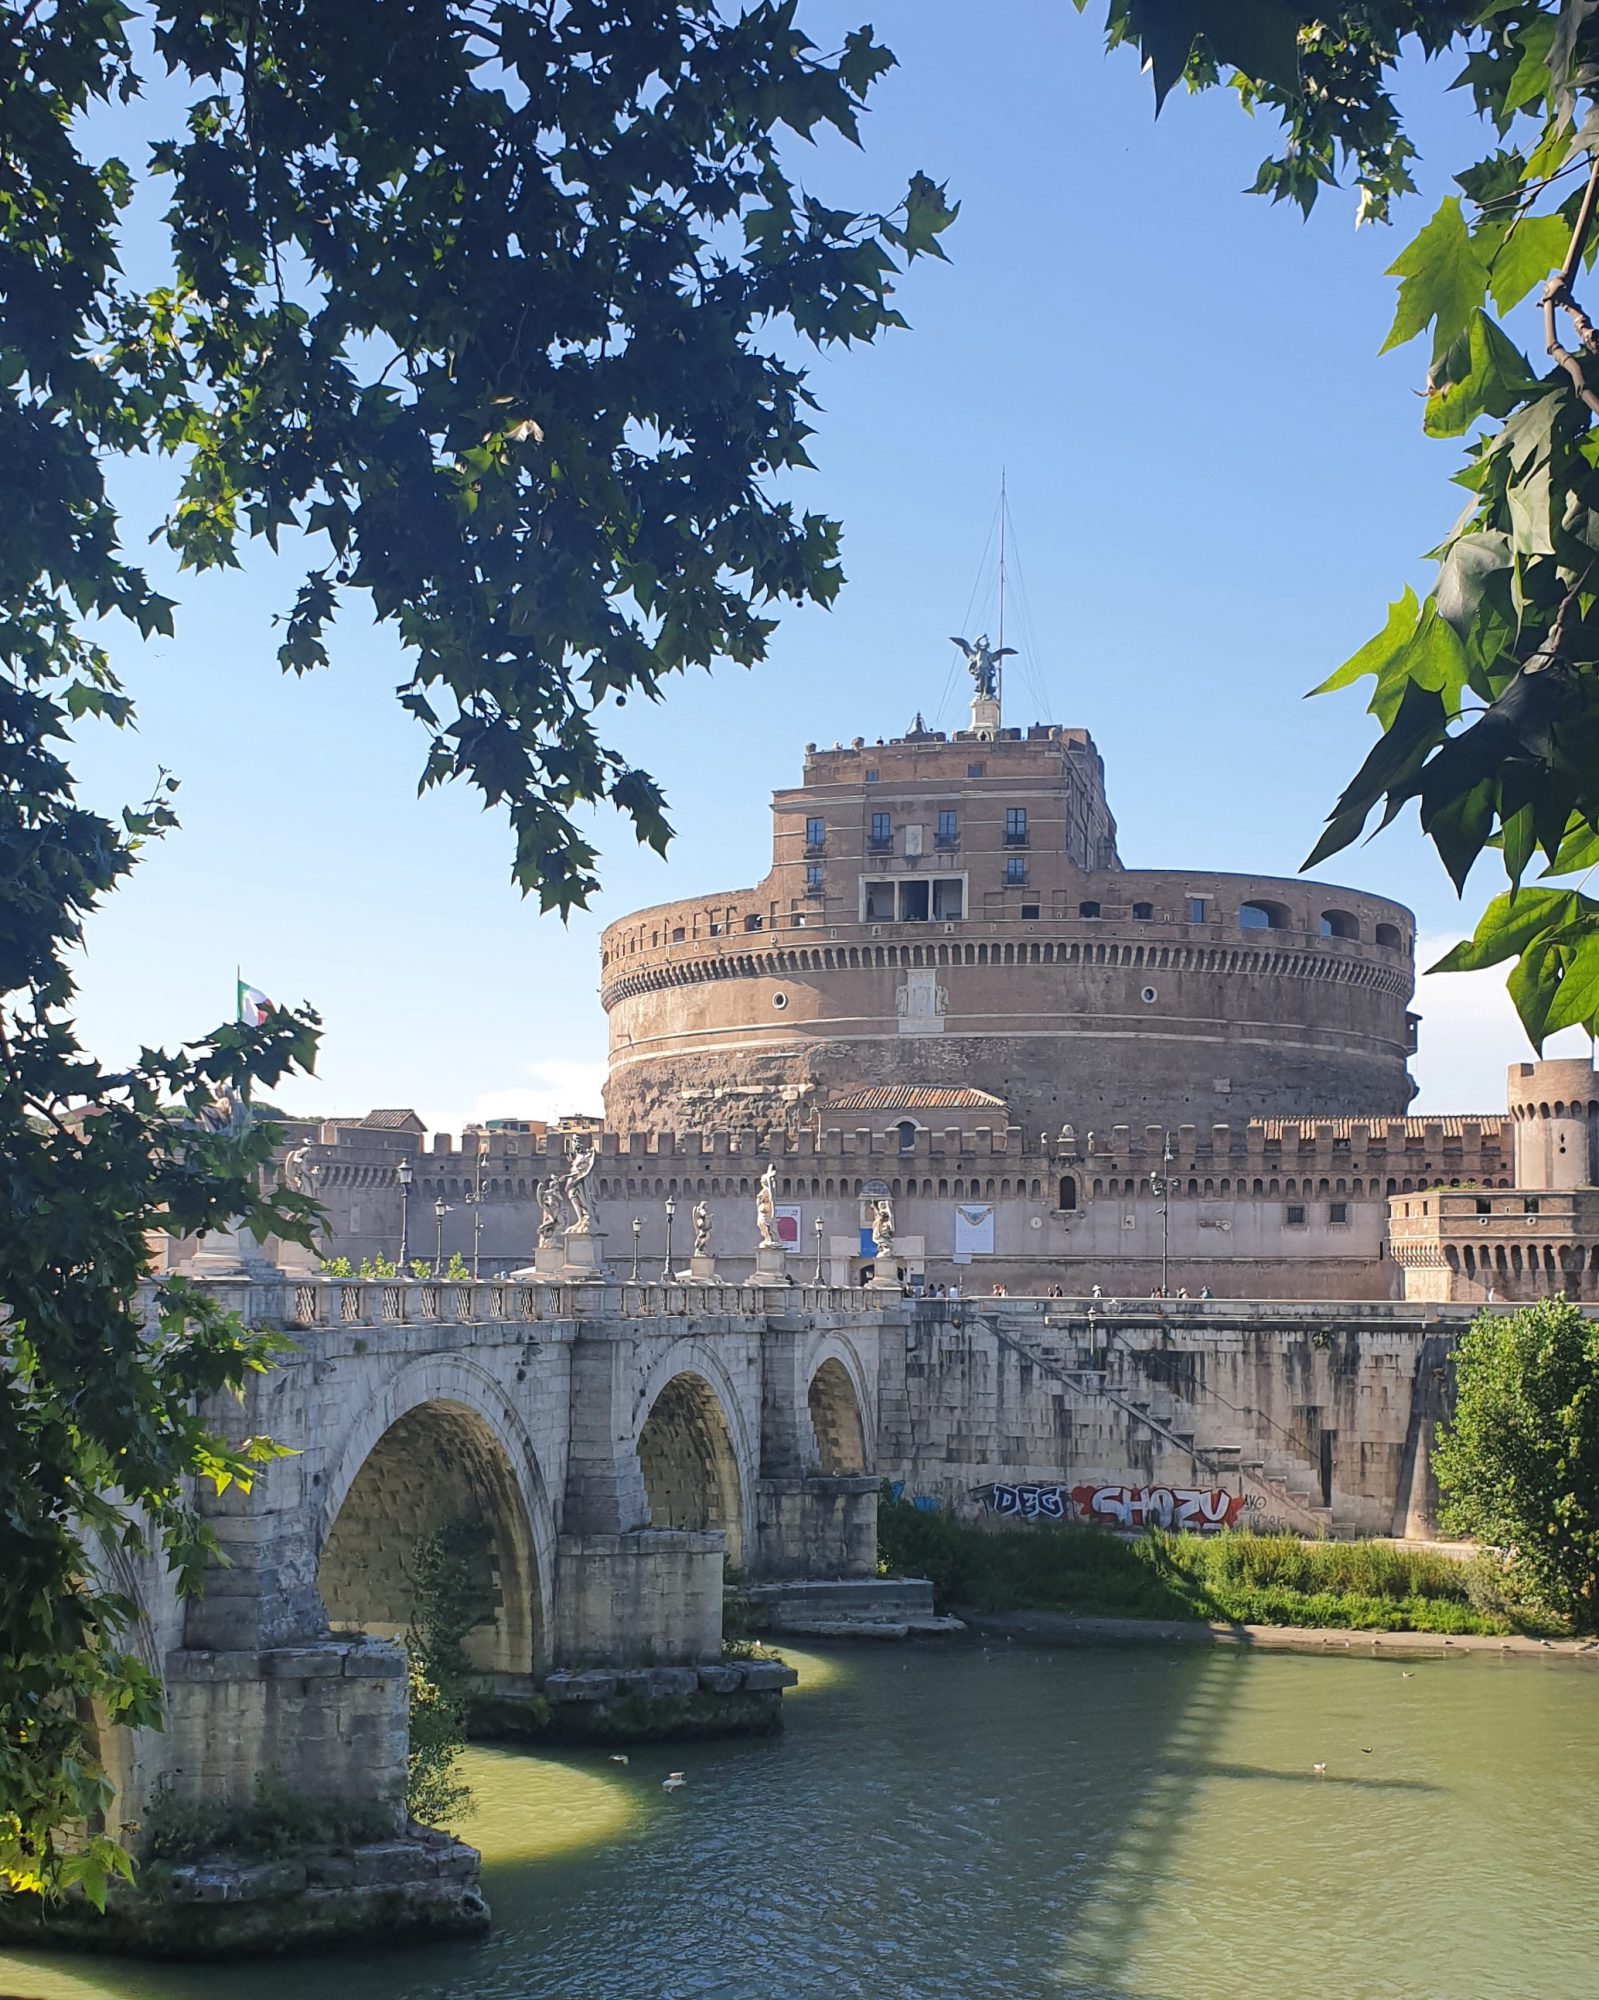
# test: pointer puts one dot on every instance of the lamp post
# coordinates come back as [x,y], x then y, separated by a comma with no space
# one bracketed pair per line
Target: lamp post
[441,1208]
[1161,1185]
[666,1268]
[817,1226]
[476,1199]
[637,1226]
[405,1174]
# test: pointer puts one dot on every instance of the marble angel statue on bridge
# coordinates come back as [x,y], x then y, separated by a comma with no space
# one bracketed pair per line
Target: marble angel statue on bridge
[577,1194]
[766,1208]
[549,1194]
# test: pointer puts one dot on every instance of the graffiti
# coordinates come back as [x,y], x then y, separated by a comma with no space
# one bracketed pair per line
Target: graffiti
[1028,1503]
[1183,1507]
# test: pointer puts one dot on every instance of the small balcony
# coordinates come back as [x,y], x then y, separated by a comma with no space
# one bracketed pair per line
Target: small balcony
[1015,839]
[815,849]
[880,843]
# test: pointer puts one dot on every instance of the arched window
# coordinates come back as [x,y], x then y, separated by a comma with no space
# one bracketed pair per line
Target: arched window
[1088,909]
[1388,936]
[907,1135]
[1339,924]
[1143,912]
[1068,1191]
[1262,917]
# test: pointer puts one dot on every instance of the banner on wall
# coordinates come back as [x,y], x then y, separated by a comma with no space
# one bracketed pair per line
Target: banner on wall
[788,1227]
[974,1231]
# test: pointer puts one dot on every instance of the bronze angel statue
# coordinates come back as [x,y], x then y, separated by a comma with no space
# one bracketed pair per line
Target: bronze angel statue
[982,662]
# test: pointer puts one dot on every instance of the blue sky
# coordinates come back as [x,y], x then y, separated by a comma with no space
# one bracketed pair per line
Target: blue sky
[1216,485]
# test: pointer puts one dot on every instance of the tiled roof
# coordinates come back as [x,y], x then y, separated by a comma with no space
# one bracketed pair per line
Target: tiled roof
[391,1121]
[910,1097]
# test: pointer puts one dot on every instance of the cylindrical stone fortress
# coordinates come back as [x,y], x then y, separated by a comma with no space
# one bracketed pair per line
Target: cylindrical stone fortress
[952,913]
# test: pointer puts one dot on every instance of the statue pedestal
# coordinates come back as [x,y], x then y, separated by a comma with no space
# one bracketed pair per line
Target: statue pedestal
[547,1268]
[228,1253]
[585,1257]
[985,715]
[887,1280]
[702,1268]
[771,1265]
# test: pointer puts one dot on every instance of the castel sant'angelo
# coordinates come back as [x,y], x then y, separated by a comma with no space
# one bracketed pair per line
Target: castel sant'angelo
[947,993]
[949,913]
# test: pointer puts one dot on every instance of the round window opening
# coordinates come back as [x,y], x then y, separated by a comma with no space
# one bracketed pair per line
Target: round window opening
[1149,996]
[780,1001]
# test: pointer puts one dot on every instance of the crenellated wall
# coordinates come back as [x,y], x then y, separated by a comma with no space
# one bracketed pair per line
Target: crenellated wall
[1265,1208]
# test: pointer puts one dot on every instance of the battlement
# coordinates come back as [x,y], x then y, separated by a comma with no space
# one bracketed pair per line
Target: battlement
[1255,1157]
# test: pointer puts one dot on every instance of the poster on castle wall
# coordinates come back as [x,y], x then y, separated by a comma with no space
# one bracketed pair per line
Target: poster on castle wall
[788,1227]
[974,1232]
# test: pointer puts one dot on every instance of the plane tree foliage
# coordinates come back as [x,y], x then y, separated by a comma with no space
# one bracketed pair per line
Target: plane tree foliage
[1485,692]
[484,314]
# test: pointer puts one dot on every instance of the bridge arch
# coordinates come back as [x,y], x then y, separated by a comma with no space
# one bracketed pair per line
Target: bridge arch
[843,1419]
[441,1445]
[695,1453]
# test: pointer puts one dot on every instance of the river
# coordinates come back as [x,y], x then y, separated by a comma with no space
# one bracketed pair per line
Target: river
[1000,1822]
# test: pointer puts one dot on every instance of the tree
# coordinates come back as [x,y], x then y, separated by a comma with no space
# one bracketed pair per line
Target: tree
[483,309]
[1518,1465]
[1486,693]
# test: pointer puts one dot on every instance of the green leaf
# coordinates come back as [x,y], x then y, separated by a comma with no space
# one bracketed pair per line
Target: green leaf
[1380,651]
[1534,246]
[1444,281]
[1506,927]
[1577,852]
[1483,374]
[1576,1004]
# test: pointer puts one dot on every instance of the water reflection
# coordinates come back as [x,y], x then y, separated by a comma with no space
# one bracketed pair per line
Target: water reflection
[1001,1823]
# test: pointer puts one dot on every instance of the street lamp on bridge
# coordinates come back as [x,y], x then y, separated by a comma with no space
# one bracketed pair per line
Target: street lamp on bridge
[666,1268]
[405,1173]
[1162,1185]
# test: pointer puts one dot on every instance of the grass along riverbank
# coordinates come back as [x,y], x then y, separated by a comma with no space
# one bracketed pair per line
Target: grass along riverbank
[1239,1577]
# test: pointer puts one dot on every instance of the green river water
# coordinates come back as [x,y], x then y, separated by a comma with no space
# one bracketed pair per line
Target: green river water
[997,1823]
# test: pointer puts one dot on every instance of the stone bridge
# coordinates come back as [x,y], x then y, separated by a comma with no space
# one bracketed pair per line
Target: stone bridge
[613,1448]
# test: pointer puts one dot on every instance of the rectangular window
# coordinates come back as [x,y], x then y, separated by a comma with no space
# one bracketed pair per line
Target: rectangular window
[879,902]
[1196,909]
[882,835]
[1015,872]
[1529,1204]
[1029,912]
[1338,1213]
[974,770]
[913,902]
[1294,1215]
[816,834]
[871,777]
[813,878]
[1016,826]
[949,901]
[948,830]
[1484,1207]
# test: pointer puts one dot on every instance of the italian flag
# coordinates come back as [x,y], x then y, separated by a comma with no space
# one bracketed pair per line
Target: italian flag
[254,1006]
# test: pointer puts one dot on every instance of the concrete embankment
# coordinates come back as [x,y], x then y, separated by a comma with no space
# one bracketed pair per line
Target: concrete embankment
[1059,1628]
